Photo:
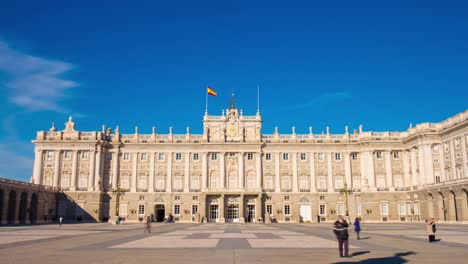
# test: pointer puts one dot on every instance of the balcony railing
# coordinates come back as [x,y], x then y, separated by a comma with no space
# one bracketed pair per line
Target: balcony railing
[322,190]
[382,189]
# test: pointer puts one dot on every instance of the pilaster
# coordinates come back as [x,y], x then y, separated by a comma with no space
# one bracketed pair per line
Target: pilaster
[294,172]
[204,171]
[465,162]
[92,167]
[347,164]
[37,174]
[312,171]
[388,170]
[169,173]
[187,172]
[133,186]
[259,170]
[74,170]
[330,173]
[151,173]
[241,170]
[222,171]
[115,168]
[277,173]
[56,169]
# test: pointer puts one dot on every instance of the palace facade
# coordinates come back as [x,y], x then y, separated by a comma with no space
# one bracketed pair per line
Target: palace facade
[234,173]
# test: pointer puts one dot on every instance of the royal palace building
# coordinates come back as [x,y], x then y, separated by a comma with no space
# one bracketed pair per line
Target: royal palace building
[234,173]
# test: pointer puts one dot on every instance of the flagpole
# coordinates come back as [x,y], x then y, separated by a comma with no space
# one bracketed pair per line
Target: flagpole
[258,99]
[206,101]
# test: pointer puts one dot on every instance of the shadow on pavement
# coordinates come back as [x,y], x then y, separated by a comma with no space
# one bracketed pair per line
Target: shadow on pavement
[359,253]
[395,259]
[363,238]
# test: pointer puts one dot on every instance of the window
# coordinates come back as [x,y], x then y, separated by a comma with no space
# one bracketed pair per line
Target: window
[338,182]
[285,156]
[160,156]
[399,181]
[358,209]
[384,208]
[268,198]
[354,156]
[341,209]
[141,198]
[356,182]
[378,154]
[143,156]
[323,209]
[194,198]
[141,209]
[381,181]
[322,197]
[286,198]
[177,198]
[194,209]
[437,179]
[303,156]
[84,155]
[268,156]
[396,155]
[126,156]
[49,155]
[337,156]
[67,155]
[321,183]
[320,156]
[195,156]
[214,156]
[402,208]
[250,156]
[108,156]
[178,156]
[287,209]
[177,209]
[269,209]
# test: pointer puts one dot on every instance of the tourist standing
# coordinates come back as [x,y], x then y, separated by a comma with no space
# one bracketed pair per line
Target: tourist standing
[340,229]
[431,229]
[148,225]
[357,227]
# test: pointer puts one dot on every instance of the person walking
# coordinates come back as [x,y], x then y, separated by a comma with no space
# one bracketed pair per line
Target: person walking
[148,225]
[60,221]
[431,229]
[340,229]
[357,227]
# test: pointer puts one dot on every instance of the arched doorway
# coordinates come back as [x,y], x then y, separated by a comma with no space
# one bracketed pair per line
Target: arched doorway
[1,206]
[453,204]
[23,208]
[11,207]
[33,209]
[305,214]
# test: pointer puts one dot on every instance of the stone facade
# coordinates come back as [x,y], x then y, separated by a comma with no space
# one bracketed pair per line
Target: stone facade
[233,172]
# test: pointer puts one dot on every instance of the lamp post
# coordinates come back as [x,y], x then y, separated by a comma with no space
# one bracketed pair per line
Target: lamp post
[346,191]
[118,192]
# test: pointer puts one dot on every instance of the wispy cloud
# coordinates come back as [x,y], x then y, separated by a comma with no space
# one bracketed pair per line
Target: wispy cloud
[324,99]
[34,83]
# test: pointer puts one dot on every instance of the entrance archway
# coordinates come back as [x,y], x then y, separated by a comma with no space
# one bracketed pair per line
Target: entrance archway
[305,210]
[23,208]
[11,207]
[33,209]
[159,212]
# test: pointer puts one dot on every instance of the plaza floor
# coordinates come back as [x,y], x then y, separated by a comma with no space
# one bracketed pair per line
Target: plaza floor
[227,243]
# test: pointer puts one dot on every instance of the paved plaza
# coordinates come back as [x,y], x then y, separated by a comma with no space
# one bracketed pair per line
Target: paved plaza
[227,243]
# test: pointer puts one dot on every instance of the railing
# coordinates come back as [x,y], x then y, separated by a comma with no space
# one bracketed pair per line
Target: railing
[195,190]
[304,190]
[27,184]
[382,189]
[322,190]
[142,190]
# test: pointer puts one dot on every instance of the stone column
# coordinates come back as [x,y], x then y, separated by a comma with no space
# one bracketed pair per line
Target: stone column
[443,177]
[414,168]
[187,172]
[258,208]
[312,171]
[222,171]
[428,164]
[169,173]
[74,170]
[277,170]
[241,171]
[151,174]
[241,209]
[115,168]
[204,171]
[37,174]
[294,172]
[371,171]
[330,186]
[99,168]
[92,166]
[465,162]
[452,158]
[259,170]
[221,209]
[364,173]
[406,169]
[57,169]
[133,186]
[421,178]
[347,164]
[388,171]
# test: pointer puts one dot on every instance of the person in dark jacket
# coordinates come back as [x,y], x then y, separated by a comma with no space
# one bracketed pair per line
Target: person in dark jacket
[340,229]
[357,227]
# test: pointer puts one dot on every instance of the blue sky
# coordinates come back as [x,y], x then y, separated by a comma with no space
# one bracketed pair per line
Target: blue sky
[383,64]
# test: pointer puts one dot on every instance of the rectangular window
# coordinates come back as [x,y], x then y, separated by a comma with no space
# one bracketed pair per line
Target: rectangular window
[214,156]
[323,209]
[126,156]
[354,156]
[195,198]
[108,156]
[384,208]
[67,155]
[286,198]
[160,156]
[177,209]
[141,198]
[250,156]
[194,209]
[341,209]
[84,155]
[177,197]
[195,156]
[268,156]
[437,179]
[49,155]
[396,155]
[285,156]
[402,208]
[358,209]
[378,154]
[178,156]
[337,156]
[143,156]
[269,209]
[322,197]
[320,157]
[287,209]
[141,209]
[303,156]
[268,197]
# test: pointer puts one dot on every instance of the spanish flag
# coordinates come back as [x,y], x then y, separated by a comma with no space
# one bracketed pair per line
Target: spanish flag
[211,91]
